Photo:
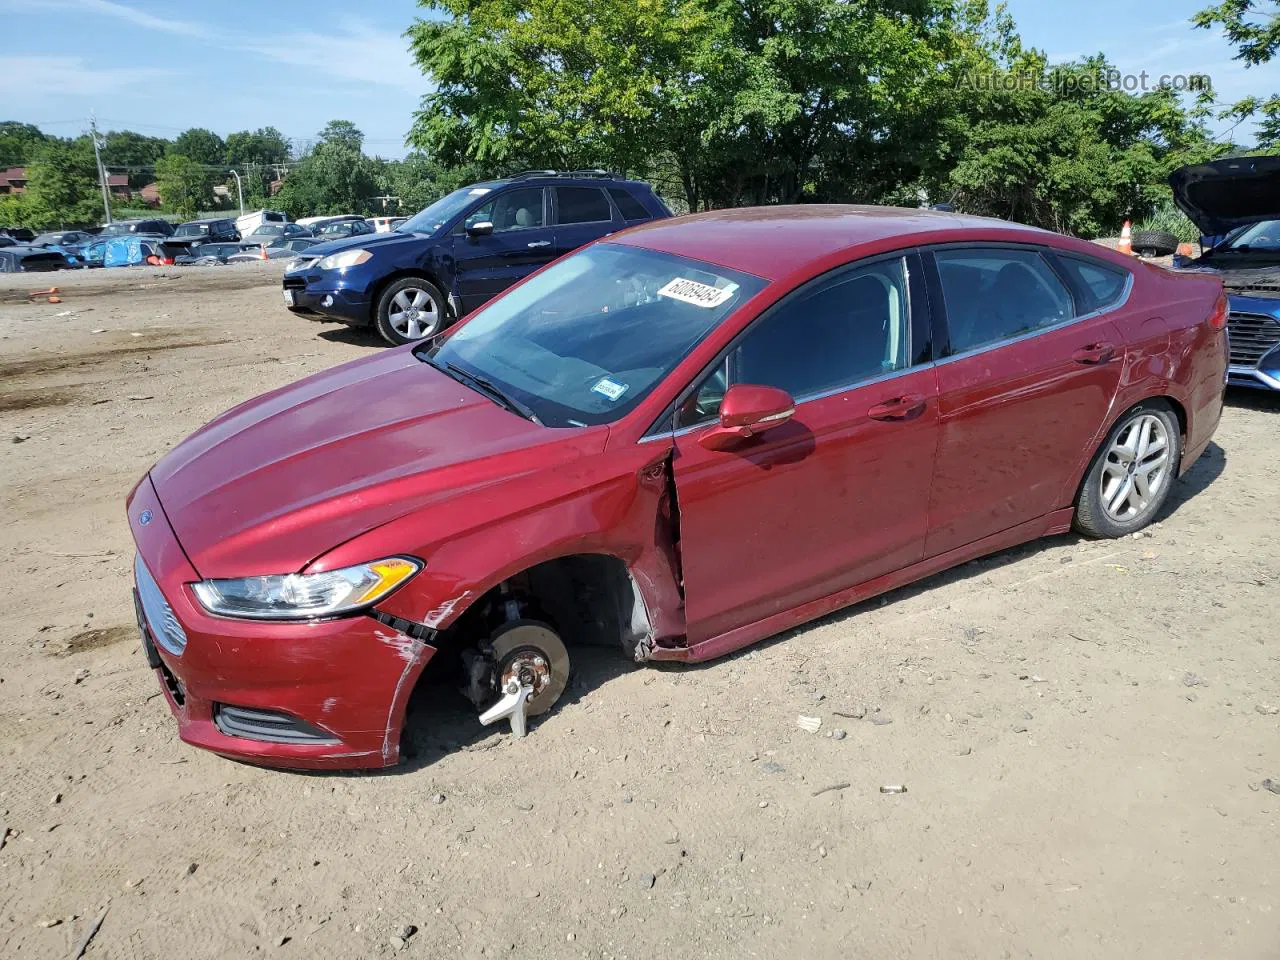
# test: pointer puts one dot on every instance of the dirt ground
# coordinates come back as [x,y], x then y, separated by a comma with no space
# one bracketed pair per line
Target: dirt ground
[1083,729]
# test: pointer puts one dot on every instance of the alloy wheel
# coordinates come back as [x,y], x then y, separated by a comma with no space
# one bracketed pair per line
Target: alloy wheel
[413,313]
[1136,468]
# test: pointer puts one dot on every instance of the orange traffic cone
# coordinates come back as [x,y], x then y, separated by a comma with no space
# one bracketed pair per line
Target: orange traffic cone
[1126,239]
[263,255]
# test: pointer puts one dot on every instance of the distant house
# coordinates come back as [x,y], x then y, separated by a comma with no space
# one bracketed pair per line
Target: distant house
[118,184]
[275,186]
[13,180]
[150,195]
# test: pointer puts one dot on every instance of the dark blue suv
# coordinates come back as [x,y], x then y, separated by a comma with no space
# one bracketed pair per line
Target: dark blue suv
[462,250]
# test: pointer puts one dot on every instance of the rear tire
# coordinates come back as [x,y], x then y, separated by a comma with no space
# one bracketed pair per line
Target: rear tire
[1130,476]
[1154,243]
[410,310]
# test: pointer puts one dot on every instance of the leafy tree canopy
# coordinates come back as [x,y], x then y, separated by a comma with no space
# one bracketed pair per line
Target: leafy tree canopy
[202,146]
[185,186]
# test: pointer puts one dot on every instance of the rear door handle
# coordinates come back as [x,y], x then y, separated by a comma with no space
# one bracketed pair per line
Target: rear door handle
[1094,353]
[899,408]
[540,243]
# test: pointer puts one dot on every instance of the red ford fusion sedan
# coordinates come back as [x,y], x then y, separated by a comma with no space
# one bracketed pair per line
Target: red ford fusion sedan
[677,440]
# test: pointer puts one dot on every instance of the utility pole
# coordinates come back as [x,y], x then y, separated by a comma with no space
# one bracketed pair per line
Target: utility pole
[239,191]
[102,172]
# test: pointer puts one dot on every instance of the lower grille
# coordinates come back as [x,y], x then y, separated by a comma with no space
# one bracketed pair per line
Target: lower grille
[1251,336]
[267,726]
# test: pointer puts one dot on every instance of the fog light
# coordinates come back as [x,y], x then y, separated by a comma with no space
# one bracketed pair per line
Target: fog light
[328,300]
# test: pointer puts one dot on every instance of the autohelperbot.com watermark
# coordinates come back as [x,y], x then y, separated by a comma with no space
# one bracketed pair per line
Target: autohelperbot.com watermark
[1073,81]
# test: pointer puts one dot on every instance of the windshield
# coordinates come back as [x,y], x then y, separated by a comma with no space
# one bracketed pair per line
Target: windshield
[192,230]
[442,211]
[267,230]
[1258,236]
[117,229]
[586,340]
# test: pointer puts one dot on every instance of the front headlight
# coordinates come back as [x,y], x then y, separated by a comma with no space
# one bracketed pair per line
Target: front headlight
[347,258]
[300,596]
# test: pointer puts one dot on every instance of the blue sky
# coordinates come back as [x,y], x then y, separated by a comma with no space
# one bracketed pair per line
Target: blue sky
[160,67]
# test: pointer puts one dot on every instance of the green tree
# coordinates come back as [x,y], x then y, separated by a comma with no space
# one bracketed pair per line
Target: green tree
[184,185]
[18,143]
[263,146]
[419,180]
[202,146]
[62,185]
[780,100]
[127,149]
[335,177]
[343,133]
[1253,27]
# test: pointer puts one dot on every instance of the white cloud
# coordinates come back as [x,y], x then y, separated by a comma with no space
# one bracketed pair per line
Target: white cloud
[183,28]
[32,79]
[354,50]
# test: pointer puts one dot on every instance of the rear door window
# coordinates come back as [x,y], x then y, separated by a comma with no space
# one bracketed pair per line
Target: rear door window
[628,206]
[996,294]
[582,205]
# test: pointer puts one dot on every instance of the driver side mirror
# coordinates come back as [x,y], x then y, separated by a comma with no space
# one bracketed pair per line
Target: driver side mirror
[481,228]
[746,410]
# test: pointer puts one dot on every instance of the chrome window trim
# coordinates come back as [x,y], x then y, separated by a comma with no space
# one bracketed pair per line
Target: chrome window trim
[997,344]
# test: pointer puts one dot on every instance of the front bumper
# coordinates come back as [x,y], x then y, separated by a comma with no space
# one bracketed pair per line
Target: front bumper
[328,294]
[1253,335]
[327,694]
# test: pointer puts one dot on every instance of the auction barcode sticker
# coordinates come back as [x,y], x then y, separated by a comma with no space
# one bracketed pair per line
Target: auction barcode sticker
[699,294]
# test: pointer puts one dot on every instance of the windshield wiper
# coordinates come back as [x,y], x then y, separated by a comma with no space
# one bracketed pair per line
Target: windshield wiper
[494,392]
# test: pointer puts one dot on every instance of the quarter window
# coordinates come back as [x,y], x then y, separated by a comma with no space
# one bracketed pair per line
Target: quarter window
[998,294]
[1102,284]
[582,205]
[514,210]
[840,330]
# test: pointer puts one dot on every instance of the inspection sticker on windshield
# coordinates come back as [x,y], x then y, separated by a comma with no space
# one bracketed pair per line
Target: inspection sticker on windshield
[608,387]
[478,191]
[699,294]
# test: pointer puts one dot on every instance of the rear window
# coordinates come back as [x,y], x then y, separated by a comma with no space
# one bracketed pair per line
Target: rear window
[582,205]
[1103,284]
[629,206]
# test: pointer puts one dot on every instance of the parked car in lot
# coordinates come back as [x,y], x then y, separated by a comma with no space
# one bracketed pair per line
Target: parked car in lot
[462,250]
[206,254]
[270,232]
[385,224]
[18,234]
[1236,203]
[22,258]
[337,229]
[152,227]
[248,222]
[278,249]
[140,250]
[679,440]
[62,239]
[214,230]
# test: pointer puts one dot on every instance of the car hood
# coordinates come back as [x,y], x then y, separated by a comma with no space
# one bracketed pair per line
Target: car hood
[1226,194]
[276,482]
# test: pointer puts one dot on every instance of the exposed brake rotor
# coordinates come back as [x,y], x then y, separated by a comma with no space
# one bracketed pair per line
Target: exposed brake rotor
[532,671]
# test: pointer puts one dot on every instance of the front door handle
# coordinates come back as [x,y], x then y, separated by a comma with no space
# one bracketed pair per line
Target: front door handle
[540,243]
[1094,353]
[905,407]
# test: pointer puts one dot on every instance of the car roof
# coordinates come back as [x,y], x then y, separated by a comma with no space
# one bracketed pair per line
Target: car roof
[773,242]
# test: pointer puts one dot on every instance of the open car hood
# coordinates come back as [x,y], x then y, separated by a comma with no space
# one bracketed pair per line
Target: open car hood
[1226,194]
